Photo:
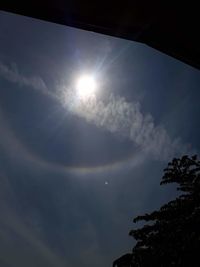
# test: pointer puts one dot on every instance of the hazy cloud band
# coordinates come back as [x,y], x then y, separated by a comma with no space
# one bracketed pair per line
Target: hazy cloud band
[126,119]
[114,114]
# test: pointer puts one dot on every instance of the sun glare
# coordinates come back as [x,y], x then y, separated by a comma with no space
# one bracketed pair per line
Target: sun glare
[86,87]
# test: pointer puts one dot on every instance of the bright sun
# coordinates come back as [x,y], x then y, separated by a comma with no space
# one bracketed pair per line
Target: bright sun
[86,87]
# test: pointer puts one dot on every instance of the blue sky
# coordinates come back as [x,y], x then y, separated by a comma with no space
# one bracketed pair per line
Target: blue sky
[73,174]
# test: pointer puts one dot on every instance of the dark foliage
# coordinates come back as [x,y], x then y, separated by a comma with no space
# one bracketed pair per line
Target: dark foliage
[172,235]
[125,260]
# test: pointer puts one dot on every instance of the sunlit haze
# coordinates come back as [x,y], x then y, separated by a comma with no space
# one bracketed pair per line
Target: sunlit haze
[86,87]
[87,124]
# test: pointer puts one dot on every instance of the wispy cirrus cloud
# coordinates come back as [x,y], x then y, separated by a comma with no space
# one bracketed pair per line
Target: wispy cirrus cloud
[114,114]
[126,119]
[12,74]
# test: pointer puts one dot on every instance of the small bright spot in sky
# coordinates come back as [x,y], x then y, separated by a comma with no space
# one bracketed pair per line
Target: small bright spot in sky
[106,183]
[86,87]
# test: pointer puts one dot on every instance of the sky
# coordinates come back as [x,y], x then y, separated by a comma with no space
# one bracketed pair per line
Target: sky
[74,171]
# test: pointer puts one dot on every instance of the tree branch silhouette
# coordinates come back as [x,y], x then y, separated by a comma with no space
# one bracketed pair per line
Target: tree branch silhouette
[171,236]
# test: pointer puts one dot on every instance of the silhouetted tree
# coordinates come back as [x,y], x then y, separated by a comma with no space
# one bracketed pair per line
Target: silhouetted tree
[172,235]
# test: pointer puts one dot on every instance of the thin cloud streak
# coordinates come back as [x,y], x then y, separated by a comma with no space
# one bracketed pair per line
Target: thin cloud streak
[115,115]
[126,119]
[12,74]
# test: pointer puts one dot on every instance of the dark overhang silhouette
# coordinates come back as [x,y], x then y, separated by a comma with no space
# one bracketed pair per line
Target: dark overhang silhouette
[171,27]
